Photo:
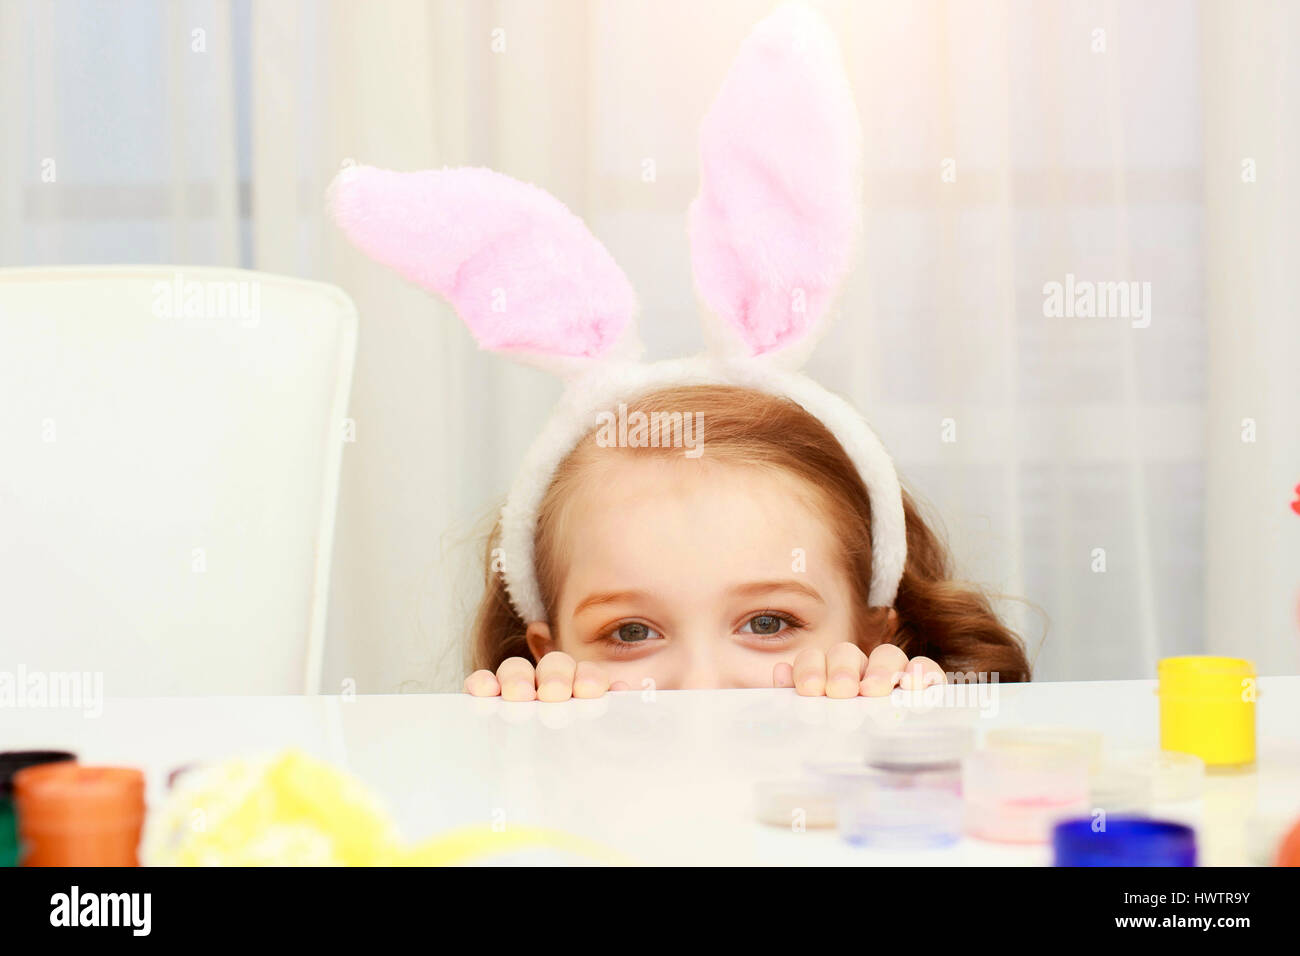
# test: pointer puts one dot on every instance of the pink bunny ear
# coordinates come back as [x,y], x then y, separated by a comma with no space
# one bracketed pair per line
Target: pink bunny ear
[521,270]
[772,229]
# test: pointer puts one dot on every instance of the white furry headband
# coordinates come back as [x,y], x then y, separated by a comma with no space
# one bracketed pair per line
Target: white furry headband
[771,237]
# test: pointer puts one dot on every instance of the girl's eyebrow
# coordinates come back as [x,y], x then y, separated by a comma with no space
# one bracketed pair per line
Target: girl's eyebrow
[742,590]
[764,587]
[608,597]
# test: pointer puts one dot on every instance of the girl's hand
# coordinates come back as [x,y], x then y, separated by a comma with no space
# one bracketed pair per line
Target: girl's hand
[844,671]
[556,677]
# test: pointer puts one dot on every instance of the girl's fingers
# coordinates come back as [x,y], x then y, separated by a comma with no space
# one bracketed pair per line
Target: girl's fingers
[518,680]
[620,685]
[588,680]
[482,684]
[845,663]
[809,672]
[885,667]
[783,675]
[921,672]
[555,672]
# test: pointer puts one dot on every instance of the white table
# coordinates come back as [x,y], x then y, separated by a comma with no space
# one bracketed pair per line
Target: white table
[664,780]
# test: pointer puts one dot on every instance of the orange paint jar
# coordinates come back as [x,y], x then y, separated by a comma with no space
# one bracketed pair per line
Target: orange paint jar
[1288,854]
[71,815]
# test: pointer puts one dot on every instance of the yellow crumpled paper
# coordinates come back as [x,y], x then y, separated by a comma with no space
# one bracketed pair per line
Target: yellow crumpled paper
[289,809]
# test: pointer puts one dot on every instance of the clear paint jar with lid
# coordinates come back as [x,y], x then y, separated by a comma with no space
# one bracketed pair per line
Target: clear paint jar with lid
[795,803]
[1089,743]
[1016,795]
[1167,776]
[907,792]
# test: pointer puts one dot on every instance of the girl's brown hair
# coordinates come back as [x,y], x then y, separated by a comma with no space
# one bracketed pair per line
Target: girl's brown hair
[951,622]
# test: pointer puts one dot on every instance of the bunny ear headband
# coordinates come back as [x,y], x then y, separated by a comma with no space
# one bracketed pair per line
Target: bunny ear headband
[771,237]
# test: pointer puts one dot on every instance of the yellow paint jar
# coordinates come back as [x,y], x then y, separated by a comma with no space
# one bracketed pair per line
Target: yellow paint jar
[1207,708]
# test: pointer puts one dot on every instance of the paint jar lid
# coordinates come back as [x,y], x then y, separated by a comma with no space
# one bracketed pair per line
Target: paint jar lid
[1201,676]
[1086,743]
[918,746]
[783,802]
[1174,776]
[1123,841]
[69,796]
[12,761]
[997,772]
[1119,791]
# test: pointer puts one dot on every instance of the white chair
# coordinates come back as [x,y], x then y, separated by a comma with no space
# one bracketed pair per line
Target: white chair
[170,444]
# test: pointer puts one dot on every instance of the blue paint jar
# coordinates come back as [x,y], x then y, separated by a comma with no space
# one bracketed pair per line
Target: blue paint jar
[1123,841]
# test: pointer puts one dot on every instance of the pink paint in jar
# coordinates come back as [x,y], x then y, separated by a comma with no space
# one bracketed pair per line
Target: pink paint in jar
[1018,795]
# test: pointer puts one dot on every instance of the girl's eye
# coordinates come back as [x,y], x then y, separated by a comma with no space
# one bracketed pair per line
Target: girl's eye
[633,632]
[770,625]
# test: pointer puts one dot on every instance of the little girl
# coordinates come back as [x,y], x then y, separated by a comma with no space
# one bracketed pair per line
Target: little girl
[780,549]
[743,567]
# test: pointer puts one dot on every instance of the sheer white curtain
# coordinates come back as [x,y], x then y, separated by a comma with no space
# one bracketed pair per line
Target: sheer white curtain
[121,139]
[1094,466]
[1252,138]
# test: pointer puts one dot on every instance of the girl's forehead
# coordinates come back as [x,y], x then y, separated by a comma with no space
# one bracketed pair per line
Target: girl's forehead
[619,481]
[649,514]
